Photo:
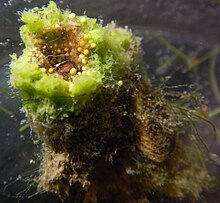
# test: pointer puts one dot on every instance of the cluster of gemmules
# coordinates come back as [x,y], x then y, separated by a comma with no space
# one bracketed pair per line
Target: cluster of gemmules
[62,51]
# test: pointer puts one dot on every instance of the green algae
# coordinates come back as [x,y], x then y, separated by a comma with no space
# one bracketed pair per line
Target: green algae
[107,134]
[108,63]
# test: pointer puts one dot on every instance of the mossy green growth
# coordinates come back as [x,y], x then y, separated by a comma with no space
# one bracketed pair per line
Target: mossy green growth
[68,60]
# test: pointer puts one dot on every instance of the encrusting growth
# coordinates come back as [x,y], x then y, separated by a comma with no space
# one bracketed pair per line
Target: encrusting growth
[107,134]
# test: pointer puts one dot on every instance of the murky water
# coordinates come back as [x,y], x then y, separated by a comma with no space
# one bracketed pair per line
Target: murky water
[180,39]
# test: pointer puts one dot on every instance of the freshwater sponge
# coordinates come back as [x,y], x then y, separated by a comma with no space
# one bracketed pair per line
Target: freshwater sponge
[68,61]
[107,134]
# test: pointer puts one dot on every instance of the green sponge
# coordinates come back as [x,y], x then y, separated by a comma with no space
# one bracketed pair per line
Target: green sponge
[108,135]
[68,60]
